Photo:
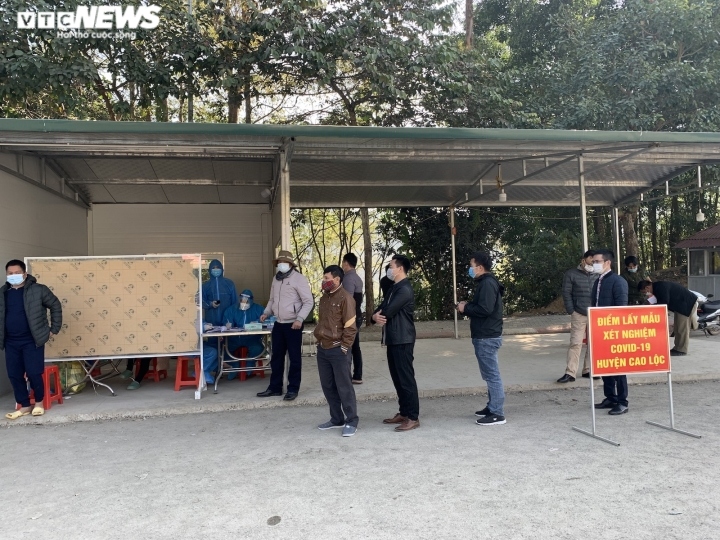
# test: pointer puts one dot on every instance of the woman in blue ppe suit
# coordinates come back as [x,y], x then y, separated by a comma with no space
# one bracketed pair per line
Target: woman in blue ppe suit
[218,294]
[245,311]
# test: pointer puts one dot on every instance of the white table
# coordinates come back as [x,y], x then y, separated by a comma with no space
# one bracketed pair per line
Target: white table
[225,356]
[223,363]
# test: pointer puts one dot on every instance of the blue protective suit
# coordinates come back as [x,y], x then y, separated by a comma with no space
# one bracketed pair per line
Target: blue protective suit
[238,318]
[210,362]
[217,288]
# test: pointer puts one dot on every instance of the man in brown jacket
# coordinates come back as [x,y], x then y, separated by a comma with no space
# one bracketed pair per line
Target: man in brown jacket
[335,334]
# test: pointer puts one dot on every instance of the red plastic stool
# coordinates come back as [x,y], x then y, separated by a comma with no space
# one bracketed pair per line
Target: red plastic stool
[51,395]
[153,373]
[242,352]
[182,377]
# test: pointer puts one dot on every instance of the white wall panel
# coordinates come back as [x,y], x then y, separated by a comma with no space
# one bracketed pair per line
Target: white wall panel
[36,223]
[241,231]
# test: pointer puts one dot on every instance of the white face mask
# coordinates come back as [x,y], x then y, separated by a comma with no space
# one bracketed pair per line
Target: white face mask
[632,270]
[244,305]
[598,268]
[390,274]
[15,279]
[283,267]
[588,267]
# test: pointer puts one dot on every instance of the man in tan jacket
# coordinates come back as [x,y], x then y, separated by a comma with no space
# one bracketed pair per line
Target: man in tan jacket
[290,302]
[335,334]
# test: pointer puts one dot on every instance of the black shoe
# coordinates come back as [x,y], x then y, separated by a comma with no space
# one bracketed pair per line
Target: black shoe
[482,413]
[605,404]
[490,420]
[675,352]
[268,393]
[587,376]
[566,378]
[290,396]
[618,409]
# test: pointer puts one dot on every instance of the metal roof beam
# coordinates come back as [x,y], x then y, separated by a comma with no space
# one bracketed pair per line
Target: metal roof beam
[624,201]
[620,159]
[534,173]
[475,182]
[29,180]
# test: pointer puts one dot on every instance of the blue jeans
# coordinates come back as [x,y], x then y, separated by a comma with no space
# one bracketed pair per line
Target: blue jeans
[486,351]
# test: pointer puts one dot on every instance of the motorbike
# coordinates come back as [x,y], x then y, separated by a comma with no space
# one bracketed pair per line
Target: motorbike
[708,314]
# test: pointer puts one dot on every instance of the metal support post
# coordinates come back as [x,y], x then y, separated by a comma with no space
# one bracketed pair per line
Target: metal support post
[454,268]
[583,206]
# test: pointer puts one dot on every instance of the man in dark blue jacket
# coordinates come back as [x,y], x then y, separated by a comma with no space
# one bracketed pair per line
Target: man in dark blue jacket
[486,325]
[24,331]
[397,315]
[610,290]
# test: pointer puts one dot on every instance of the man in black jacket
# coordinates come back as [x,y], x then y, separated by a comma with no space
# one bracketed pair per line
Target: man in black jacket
[397,315]
[610,290]
[24,330]
[681,302]
[486,325]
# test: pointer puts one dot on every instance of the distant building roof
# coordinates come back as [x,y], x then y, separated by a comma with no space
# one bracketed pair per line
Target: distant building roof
[706,238]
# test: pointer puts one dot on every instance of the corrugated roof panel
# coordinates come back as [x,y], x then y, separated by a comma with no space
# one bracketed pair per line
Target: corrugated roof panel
[138,194]
[183,169]
[242,172]
[111,169]
[241,195]
[183,194]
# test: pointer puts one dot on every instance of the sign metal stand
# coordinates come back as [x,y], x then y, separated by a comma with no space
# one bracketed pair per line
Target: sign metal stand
[592,414]
[641,352]
[672,427]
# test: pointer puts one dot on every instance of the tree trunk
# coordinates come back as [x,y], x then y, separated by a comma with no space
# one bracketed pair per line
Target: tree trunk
[468,24]
[369,283]
[599,224]
[627,222]
[248,104]
[234,100]
[674,230]
[652,219]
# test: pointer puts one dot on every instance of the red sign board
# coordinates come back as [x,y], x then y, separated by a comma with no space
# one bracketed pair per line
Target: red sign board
[629,339]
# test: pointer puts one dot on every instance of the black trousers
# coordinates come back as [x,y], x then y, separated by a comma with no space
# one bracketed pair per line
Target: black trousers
[357,357]
[334,370]
[144,368]
[24,358]
[616,389]
[285,340]
[400,362]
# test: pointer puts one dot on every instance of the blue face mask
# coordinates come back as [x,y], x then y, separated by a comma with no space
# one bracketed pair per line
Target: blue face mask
[216,272]
[471,272]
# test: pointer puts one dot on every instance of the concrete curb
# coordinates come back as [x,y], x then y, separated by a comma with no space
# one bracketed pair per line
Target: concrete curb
[465,334]
[200,407]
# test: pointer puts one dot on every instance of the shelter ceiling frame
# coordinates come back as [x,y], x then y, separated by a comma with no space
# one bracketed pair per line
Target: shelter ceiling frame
[354,166]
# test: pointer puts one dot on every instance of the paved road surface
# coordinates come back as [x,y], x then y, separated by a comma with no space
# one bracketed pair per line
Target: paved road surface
[234,474]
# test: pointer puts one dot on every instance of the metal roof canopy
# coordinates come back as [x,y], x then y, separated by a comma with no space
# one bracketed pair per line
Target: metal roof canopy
[150,162]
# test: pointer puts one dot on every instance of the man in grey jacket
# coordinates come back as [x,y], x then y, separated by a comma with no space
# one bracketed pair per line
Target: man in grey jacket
[291,301]
[577,285]
[24,330]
